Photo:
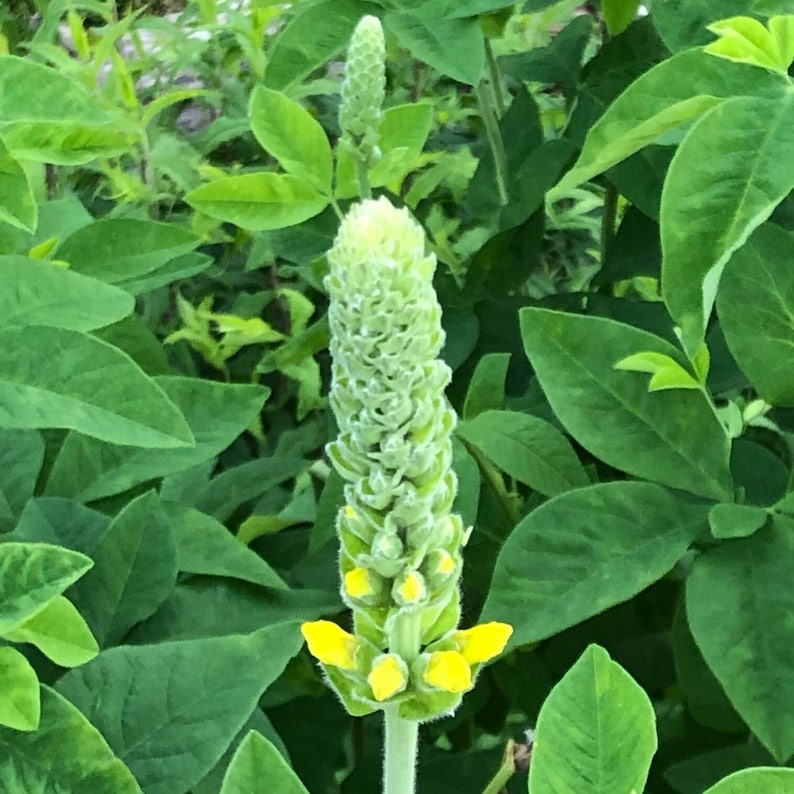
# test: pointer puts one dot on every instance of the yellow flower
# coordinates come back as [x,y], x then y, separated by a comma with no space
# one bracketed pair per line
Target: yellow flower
[448,670]
[387,677]
[331,644]
[482,643]
[357,583]
[446,563]
[412,588]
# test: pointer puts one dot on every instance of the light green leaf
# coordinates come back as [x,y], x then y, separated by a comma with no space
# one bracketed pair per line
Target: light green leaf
[258,202]
[585,551]
[769,780]
[736,521]
[672,377]
[20,706]
[453,46]
[116,250]
[596,731]
[33,292]
[17,202]
[255,761]
[31,575]
[134,571]
[77,757]
[619,14]
[730,172]
[217,413]
[782,30]
[170,710]
[746,40]
[671,437]
[66,379]
[666,97]
[739,605]
[755,302]
[59,632]
[288,131]
[527,448]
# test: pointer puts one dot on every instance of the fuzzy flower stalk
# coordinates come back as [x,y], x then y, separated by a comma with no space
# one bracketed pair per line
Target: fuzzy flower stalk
[401,544]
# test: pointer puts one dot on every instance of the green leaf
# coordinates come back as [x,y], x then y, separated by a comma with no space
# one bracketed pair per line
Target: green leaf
[739,605]
[671,437]
[596,731]
[47,117]
[585,551]
[770,780]
[17,202]
[782,30]
[217,413]
[288,131]
[134,571]
[20,706]
[170,710]
[527,448]
[116,250]
[746,40]
[31,575]
[705,216]
[257,760]
[755,302]
[59,632]
[33,292]
[666,97]
[619,14]
[453,46]
[21,456]
[736,521]
[258,202]
[667,373]
[205,547]
[65,754]
[66,379]
[487,386]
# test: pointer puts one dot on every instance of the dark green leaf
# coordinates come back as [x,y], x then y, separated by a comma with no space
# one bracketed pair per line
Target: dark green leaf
[256,760]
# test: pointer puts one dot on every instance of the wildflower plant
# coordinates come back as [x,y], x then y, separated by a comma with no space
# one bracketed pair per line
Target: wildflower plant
[400,543]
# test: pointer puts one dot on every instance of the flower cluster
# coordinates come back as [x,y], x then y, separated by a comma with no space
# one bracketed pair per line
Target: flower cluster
[400,542]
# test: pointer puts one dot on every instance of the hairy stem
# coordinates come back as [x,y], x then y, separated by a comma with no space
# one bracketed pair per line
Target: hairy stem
[399,770]
[496,78]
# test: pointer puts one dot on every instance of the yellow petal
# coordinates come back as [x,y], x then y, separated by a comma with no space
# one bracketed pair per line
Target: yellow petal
[331,644]
[387,677]
[446,563]
[412,588]
[481,643]
[448,670]
[350,512]
[357,583]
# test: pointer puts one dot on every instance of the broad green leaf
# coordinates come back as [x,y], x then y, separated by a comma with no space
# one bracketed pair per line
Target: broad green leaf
[746,40]
[666,97]
[755,302]
[596,731]
[315,35]
[217,413]
[739,605]
[527,448]
[672,436]
[170,710]
[33,292]
[585,551]
[471,8]
[21,456]
[619,14]
[453,46]
[770,780]
[730,172]
[205,547]
[177,269]
[20,706]
[66,379]
[736,521]
[65,754]
[255,761]
[116,250]
[487,386]
[134,571]
[31,575]
[258,202]
[59,632]
[17,202]
[47,117]
[293,136]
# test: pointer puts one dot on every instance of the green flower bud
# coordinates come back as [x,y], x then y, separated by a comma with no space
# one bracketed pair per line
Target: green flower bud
[363,90]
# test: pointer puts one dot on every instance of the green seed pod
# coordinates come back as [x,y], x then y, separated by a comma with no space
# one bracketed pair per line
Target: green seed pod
[363,90]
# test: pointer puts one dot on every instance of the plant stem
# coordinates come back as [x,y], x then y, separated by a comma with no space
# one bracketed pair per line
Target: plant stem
[496,80]
[608,219]
[484,96]
[496,484]
[365,191]
[399,770]
[504,773]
